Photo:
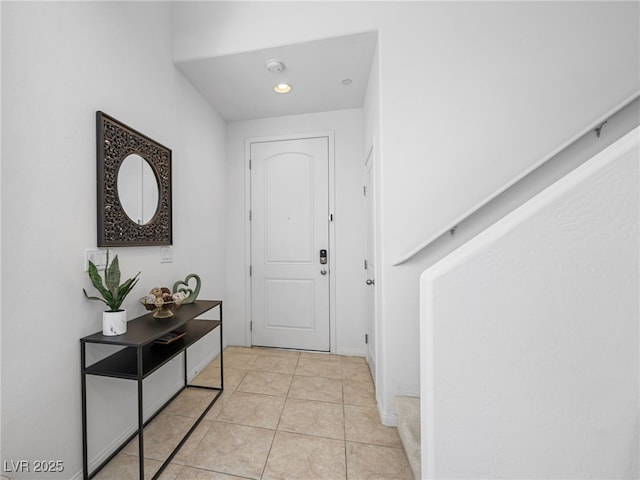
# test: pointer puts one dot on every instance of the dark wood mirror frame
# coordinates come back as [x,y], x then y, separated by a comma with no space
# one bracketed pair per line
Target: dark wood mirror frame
[115,142]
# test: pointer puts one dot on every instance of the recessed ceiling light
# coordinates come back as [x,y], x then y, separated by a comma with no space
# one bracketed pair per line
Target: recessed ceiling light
[346,82]
[282,88]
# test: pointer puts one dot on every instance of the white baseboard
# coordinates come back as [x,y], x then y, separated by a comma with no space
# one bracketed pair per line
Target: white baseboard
[389,419]
[153,408]
[356,352]
[371,361]
[120,439]
[191,374]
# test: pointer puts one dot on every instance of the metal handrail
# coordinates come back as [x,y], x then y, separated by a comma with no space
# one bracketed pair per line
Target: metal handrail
[451,227]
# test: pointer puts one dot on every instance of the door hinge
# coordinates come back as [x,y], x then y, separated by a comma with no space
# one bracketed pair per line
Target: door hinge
[366,338]
[249,215]
[249,164]
[250,270]
[331,217]
[364,190]
[251,326]
[365,264]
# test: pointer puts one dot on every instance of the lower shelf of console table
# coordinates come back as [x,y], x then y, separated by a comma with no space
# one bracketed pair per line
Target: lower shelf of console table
[141,357]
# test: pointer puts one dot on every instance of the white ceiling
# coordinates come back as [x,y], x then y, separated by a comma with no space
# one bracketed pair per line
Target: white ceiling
[239,87]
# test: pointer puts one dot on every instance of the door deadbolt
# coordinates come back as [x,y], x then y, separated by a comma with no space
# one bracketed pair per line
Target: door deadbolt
[323,257]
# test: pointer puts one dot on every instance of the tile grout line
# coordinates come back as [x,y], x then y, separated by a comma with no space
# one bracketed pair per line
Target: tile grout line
[344,416]
[345,370]
[278,424]
[211,423]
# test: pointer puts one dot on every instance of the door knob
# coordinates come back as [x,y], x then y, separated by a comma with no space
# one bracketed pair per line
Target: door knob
[323,272]
[370,282]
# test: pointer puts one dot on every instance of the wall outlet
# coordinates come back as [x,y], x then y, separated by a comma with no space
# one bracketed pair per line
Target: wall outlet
[166,255]
[98,257]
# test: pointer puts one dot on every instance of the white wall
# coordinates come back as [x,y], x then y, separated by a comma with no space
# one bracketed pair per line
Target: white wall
[1,236]
[530,335]
[210,29]
[60,63]
[348,225]
[372,146]
[471,95]
[507,84]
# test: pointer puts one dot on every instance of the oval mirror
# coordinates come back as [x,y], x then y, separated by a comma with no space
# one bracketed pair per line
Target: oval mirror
[138,189]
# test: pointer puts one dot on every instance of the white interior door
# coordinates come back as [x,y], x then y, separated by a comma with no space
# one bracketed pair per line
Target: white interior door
[289,229]
[370,268]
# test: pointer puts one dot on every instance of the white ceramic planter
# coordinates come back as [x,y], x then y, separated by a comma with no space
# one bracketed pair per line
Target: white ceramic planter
[114,323]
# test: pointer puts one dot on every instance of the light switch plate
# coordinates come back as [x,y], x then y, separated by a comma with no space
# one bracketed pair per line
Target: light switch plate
[98,257]
[166,255]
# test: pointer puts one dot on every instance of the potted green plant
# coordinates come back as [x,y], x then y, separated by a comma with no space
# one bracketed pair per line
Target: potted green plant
[114,320]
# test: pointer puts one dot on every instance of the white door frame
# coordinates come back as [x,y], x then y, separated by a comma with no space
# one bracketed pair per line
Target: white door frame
[372,322]
[332,237]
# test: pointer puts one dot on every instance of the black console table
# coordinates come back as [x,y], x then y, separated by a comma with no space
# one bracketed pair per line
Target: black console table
[140,358]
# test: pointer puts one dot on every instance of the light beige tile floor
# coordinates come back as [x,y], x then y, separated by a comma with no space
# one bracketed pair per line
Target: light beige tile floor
[283,415]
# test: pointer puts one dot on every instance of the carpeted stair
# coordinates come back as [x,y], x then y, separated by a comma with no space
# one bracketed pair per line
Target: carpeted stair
[408,411]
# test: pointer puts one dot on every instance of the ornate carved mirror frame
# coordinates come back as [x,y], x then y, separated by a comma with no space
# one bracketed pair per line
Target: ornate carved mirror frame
[115,142]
